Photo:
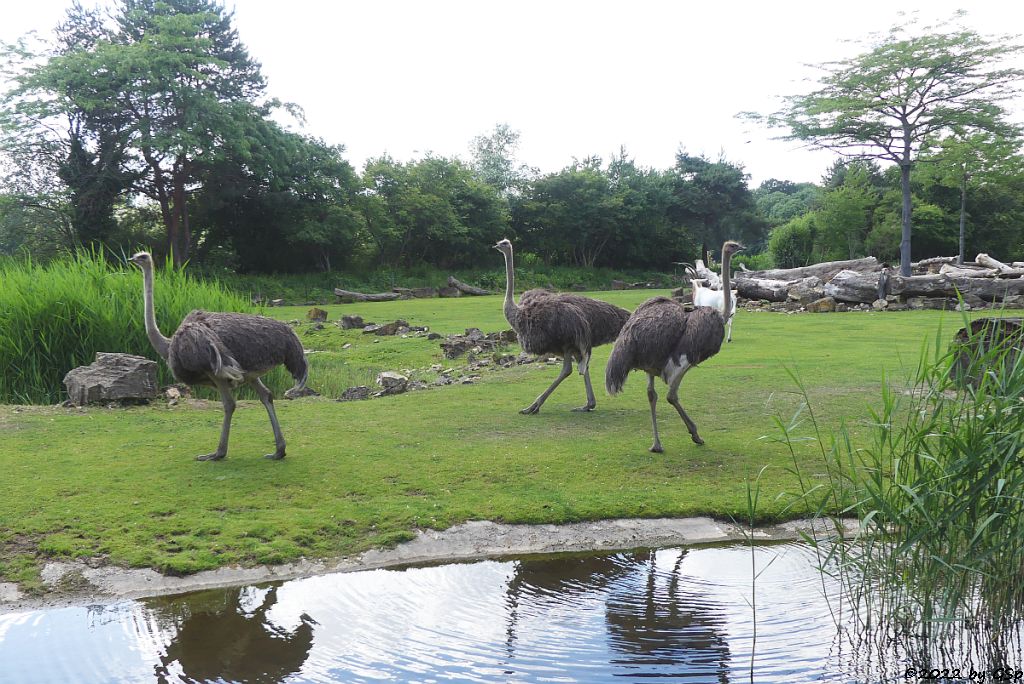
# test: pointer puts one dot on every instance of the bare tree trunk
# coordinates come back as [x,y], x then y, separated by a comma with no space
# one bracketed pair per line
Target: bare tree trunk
[963,218]
[907,208]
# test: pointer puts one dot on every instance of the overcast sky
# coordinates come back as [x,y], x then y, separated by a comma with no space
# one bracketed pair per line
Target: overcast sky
[575,78]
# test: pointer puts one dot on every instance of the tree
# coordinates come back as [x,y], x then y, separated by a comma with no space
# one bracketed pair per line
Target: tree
[712,199]
[155,96]
[884,103]
[494,160]
[963,158]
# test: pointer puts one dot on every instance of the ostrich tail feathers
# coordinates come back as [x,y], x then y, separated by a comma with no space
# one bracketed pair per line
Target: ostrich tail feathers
[617,370]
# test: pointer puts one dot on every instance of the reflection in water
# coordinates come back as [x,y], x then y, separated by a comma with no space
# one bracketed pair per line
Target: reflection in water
[677,614]
[227,633]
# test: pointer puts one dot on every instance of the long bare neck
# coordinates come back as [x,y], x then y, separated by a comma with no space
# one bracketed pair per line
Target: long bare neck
[511,310]
[726,285]
[159,342]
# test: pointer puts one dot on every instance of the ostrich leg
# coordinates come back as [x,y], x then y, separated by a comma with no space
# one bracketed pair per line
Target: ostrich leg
[673,398]
[228,402]
[585,372]
[268,401]
[539,401]
[652,396]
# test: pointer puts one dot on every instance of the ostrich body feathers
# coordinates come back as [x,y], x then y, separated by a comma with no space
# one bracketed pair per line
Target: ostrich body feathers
[660,332]
[233,347]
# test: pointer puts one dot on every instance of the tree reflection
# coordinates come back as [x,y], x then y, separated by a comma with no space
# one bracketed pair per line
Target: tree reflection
[226,635]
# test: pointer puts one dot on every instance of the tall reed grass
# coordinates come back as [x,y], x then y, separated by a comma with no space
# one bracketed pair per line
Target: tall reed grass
[935,574]
[55,317]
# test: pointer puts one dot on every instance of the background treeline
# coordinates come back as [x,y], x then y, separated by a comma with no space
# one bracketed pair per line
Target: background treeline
[148,124]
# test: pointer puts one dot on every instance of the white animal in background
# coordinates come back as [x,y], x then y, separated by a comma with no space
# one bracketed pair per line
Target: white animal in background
[705,296]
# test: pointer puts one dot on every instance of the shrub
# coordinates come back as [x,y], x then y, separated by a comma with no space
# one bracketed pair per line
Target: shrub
[792,244]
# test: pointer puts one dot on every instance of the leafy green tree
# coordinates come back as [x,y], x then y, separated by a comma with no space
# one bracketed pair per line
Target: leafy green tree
[712,199]
[792,244]
[845,217]
[884,103]
[493,159]
[782,201]
[154,97]
[966,160]
[433,210]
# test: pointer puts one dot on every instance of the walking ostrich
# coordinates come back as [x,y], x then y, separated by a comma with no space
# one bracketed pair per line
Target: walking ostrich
[567,325]
[225,350]
[662,339]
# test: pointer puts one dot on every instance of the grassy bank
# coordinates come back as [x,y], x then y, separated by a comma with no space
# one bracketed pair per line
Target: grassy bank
[122,485]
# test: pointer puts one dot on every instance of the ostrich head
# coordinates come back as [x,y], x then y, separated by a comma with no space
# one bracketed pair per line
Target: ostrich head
[504,246]
[731,247]
[142,260]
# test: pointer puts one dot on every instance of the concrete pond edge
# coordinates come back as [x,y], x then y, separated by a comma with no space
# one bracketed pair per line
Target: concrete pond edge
[71,583]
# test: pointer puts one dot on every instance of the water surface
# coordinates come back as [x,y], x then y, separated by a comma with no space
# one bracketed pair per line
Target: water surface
[684,614]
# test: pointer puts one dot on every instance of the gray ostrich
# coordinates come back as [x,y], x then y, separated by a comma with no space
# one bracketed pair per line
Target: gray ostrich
[225,350]
[566,325]
[663,339]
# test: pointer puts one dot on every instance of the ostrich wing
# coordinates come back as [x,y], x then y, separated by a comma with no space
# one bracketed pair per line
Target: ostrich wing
[197,355]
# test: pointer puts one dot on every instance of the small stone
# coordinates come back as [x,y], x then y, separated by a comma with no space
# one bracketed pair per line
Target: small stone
[355,393]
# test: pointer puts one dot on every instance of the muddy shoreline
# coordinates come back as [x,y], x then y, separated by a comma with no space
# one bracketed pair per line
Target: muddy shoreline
[71,583]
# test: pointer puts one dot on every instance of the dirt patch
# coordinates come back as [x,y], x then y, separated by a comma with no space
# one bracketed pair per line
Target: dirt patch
[77,583]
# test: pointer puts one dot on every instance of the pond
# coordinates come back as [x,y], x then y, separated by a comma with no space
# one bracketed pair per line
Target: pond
[682,614]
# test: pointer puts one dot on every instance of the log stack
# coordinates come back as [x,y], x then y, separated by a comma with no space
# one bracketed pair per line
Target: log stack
[866,281]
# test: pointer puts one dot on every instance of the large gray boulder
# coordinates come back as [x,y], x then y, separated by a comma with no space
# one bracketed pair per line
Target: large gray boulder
[113,377]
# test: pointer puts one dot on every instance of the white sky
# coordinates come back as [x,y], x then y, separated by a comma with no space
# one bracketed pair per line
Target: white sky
[575,78]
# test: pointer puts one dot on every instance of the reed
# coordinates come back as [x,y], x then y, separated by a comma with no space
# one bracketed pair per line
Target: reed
[56,316]
[934,574]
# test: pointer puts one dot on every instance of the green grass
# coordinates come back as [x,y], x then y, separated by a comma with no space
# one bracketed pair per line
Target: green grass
[122,483]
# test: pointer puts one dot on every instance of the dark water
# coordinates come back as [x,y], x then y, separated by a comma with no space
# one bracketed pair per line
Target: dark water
[676,614]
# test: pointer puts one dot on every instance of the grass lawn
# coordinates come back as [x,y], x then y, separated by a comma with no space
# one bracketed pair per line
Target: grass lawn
[123,485]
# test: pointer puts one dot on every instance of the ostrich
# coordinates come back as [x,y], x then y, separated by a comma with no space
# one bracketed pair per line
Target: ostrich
[567,325]
[663,339]
[225,350]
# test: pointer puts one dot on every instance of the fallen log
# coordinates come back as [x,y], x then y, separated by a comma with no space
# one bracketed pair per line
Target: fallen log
[851,286]
[967,271]
[992,289]
[986,260]
[467,289]
[933,285]
[347,296]
[825,270]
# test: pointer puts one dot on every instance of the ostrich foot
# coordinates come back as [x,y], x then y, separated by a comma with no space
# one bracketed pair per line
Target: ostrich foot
[584,409]
[530,410]
[215,456]
[276,456]
[696,439]
[656,449]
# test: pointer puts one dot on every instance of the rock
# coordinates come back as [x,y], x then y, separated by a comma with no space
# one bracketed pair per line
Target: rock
[355,393]
[316,314]
[618,285]
[347,345]
[823,305]
[392,382]
[424,292]
[316,326]
[113,377]
[392,328]
[350,322]
[938,303]
[842,307]
[880,305]
[449,292]
[276,302]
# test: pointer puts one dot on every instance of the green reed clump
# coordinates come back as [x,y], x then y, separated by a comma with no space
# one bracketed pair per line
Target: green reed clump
[939,491]
[55,317]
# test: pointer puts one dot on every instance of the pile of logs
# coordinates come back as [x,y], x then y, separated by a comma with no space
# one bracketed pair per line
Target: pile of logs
[866,281]
[455,288]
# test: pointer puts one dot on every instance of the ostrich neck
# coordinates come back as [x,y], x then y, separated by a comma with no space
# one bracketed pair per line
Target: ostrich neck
[511,310]
[726,285]
[159,342]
